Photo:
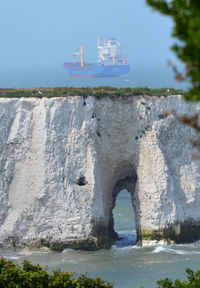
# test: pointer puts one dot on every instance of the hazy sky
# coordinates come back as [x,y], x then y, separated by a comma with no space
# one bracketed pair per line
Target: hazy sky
[43,33]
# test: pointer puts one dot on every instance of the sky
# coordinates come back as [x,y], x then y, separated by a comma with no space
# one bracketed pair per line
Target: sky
[45,33]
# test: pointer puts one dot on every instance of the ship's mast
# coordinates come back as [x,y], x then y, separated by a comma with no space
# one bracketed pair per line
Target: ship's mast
[82,60]
[99,48]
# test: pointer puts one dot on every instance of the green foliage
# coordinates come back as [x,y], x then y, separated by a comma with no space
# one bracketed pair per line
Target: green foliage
[186,16]
[25,276]
[28,275]
[98,92]
[192,282]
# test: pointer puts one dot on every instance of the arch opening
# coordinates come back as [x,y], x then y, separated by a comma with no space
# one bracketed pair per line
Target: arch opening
[124,215]
[124,220]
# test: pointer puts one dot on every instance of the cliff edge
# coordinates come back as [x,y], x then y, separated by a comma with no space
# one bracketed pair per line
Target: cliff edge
[64,160]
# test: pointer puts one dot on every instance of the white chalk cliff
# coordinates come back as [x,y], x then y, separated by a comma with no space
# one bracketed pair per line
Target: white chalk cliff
[64,160]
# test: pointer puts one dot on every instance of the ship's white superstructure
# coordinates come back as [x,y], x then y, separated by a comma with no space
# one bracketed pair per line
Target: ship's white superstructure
[110,53]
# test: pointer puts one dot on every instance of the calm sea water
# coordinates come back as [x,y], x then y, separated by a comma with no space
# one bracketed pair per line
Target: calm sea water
[151,75]
[126,264]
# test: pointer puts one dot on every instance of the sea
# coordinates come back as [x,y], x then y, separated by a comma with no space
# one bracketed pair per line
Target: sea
[126,264]
[152,75]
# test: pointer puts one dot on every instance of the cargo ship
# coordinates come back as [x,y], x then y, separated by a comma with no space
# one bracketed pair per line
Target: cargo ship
[111,63]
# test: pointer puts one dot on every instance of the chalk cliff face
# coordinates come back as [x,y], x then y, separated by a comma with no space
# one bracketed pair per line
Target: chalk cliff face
[64,160]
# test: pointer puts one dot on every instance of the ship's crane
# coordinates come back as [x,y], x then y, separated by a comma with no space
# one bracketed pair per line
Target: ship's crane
[81,54]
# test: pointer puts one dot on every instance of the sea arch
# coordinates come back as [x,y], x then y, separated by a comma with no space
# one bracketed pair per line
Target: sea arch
[124,176]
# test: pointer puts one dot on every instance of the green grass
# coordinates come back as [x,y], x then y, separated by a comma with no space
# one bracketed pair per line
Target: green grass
[98,92]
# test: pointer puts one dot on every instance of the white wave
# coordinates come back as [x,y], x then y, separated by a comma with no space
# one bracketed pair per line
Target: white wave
[180,252]
[159,249]
[67,250]
[12,257]
[114,247]
[165,249]
[168,250]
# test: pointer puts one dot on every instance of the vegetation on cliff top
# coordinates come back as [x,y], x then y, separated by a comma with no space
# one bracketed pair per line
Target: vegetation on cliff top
[99,92]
